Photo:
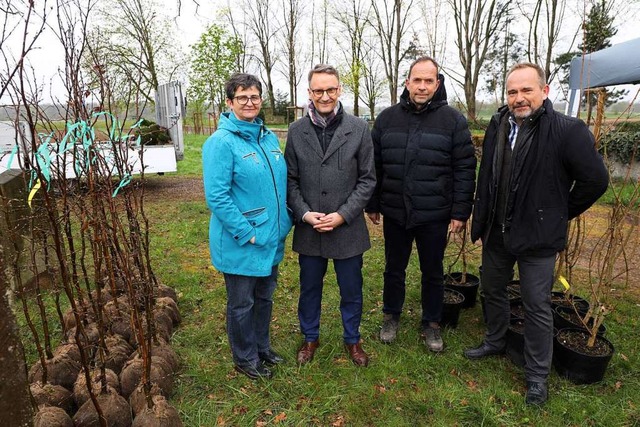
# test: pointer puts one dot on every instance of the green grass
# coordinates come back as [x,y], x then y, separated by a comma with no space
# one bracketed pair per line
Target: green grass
[625,191]
[404,385]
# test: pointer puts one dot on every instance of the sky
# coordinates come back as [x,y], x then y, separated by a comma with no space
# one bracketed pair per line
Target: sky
[193,20]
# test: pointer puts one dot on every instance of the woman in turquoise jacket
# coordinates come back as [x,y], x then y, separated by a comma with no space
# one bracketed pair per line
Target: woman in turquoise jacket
[245,187]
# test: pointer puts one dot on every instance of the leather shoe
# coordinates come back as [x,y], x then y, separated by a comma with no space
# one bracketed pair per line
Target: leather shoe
[357,354]
[536,393]
[270,358]
[482,351]
[255,372]
[306,351]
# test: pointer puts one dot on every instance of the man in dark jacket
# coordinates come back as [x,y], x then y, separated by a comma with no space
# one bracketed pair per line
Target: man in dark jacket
[330,179]
[539,169]
[425,170]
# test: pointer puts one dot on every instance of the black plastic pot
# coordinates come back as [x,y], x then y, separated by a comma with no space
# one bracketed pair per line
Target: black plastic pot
[576,366]
[453,301]
[469,288]
[560,299]
[516,308]
[515,342]
[562,322]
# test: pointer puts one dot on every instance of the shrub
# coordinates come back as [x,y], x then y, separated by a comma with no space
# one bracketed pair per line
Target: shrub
[621,145]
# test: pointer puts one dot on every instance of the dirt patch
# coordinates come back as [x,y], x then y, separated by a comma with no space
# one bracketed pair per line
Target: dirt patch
[158,188]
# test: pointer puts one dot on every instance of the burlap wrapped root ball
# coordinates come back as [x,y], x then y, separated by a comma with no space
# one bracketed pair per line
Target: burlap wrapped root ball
[115,409]
[162,414]
[52,395]
[51,416]
[138,399]
[132,372]
[61,370]
[81,391]
[118,352]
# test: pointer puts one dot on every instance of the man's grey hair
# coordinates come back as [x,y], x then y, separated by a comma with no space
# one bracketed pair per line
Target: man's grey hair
[324,69]
[539,70]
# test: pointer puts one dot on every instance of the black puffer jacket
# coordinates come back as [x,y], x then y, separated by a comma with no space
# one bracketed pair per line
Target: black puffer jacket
[556,175]
[425,162]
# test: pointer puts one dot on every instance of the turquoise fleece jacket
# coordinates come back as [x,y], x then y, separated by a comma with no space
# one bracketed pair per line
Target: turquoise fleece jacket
[245,184]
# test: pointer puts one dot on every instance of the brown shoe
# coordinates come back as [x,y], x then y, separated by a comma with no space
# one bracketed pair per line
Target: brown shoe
[357,354]
[306,351]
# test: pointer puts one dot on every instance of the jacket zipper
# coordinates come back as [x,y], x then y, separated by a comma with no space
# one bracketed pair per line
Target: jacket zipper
[273,179]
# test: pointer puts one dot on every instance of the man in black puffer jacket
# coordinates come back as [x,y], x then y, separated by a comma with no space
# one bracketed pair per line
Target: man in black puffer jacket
[539,169]
[425,170]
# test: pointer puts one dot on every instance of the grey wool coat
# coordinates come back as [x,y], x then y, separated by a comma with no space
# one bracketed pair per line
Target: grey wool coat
[341,180]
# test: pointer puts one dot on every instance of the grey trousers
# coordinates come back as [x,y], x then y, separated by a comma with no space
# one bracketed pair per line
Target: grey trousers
[536,281]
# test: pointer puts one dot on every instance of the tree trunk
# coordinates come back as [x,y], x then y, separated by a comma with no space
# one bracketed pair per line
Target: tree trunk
[15,399]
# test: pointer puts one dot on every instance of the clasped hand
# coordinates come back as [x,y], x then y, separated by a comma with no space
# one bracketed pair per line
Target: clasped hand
[324,222]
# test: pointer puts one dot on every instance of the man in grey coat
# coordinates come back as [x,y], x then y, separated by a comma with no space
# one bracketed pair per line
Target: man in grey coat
[330,179]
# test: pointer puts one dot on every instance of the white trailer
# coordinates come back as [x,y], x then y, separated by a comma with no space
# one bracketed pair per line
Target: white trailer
[15,141]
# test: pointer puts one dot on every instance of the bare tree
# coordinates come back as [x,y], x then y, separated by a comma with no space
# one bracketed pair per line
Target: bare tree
[140,41]
[373,82]
[240,32]
[292,14]
[476,24]
[436,25]
[544,18]
[17,20]
[391,20]
[262,23]
[319,54]
[352,18]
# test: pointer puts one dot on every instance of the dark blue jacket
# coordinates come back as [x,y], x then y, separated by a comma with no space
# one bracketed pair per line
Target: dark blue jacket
[556,175]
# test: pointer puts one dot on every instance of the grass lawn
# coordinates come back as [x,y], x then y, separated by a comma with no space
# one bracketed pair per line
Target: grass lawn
[404,385]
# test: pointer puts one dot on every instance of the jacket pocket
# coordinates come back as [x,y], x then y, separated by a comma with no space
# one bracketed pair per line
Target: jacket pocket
[258,218]
[551,227]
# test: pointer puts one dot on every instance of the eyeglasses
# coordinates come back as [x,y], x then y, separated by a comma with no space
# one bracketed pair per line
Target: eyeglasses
[319,93]
[244,100]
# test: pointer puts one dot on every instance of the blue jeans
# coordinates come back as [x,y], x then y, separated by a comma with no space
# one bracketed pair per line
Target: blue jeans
[249,304]
[431,241]
[349,275]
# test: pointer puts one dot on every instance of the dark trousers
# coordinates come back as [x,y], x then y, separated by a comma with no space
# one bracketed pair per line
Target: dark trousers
[431,240]
[536,280]
[249,306]
[349,276]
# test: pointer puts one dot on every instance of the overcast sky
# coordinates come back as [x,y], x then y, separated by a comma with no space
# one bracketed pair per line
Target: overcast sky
[193,20]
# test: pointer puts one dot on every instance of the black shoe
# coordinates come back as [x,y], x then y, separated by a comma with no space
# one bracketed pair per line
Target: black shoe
[536,393]
[255,372]
[482,351]
[270,358]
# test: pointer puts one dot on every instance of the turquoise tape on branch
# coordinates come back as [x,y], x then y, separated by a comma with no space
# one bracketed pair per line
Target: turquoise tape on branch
[124,182]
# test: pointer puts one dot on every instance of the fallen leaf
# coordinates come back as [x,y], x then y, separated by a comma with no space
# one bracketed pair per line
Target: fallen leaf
[267,412]
[393,381]
[618,385]
[339,422]
[280,417]
[624,357]
[261,423]
[464,402]
[241,410]
[380,388]
[211,396]
[472,385]
[220,421]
